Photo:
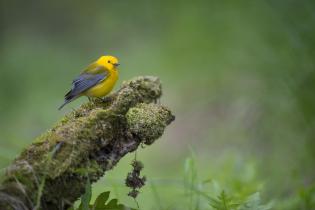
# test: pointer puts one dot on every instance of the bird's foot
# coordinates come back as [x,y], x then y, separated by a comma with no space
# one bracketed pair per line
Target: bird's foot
[107,99]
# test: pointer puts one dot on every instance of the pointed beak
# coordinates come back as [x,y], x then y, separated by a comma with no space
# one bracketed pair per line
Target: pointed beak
[116,64]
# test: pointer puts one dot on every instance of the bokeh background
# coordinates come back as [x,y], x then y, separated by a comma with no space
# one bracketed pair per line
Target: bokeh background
[239,76]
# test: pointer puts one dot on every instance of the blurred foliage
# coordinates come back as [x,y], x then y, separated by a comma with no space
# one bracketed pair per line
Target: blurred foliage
[101,203]
[239,76]
[223,202]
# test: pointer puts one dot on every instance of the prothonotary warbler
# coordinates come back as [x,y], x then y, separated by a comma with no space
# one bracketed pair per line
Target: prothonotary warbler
[97,80]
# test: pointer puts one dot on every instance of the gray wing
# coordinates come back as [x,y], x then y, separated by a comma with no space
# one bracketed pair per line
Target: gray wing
[84,82]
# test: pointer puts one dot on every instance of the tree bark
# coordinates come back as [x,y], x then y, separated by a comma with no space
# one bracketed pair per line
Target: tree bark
[52,172]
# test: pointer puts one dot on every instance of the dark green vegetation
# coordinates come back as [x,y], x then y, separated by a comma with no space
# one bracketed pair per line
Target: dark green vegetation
[239,76]
[102,203]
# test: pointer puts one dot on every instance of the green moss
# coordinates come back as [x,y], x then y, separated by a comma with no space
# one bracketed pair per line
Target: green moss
[90,140]
[148,121]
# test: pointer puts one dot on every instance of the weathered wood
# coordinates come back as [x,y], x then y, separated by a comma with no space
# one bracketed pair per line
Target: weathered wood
[52,172]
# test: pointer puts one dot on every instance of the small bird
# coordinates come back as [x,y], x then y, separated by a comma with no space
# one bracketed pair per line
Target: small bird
[97,80]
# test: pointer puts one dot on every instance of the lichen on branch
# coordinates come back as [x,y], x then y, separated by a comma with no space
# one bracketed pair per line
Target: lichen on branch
[51,173]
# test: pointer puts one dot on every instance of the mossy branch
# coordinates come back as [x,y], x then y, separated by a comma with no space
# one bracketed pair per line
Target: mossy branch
[52,172]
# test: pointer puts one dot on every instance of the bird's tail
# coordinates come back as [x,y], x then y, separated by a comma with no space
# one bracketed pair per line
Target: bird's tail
[68,98]
[64,103]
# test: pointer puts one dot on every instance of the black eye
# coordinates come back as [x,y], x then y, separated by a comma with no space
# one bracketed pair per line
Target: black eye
[108,61]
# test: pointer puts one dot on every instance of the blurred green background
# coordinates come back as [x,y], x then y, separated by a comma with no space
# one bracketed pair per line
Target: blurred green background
[239,76]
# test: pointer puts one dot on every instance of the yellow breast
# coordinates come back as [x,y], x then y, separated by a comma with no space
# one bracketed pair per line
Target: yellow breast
[103,88]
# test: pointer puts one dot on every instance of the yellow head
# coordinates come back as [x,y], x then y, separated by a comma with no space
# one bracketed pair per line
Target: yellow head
[110,62]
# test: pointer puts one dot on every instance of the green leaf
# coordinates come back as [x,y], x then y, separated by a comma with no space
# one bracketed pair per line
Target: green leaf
[223,202]
[113,204]
[101,200]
